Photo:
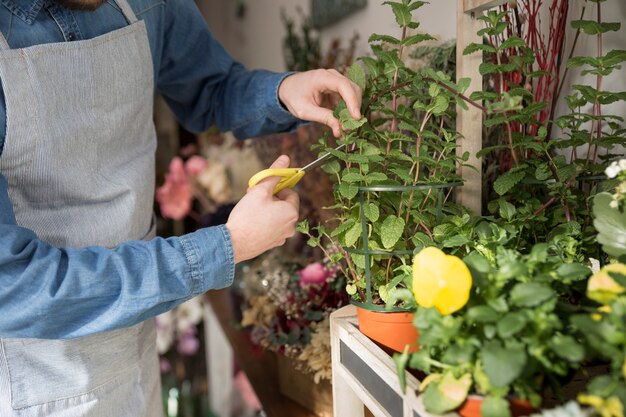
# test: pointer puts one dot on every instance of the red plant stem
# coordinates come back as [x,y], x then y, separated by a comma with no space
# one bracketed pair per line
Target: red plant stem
[545,206]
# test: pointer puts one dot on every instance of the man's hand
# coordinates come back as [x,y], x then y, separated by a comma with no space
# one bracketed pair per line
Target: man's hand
[261,220]
[310,95]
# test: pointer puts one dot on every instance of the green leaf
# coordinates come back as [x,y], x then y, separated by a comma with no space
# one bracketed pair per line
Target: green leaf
[351,289]
[376,176]
[352,177]
[332,167]
[510,324]
[401,12]
[482,314]
[371,212]
[512,42]
[507,210]
[567,348]
[357,75]
[303,227]
[502,365]
[440,105]
[383,38]
[508,180]
[342,227]
[495,407]
[420,360]
[401,360]
[573,271]
[543,172]
[391,230]
[610,224]
[591,27]
[412,40]
[348,122]
[348,190]
[353,234]
[529,294]
[455,241]
[446,394]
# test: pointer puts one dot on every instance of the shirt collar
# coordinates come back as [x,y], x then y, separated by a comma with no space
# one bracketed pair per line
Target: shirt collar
[27,10]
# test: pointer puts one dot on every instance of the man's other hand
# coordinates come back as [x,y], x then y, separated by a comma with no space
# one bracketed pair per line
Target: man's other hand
[312,94]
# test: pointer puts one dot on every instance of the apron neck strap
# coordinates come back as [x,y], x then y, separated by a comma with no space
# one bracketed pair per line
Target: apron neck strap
[127,10]
[122,4]
[4,45]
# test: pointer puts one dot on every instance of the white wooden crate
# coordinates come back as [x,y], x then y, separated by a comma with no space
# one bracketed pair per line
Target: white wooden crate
[364,374]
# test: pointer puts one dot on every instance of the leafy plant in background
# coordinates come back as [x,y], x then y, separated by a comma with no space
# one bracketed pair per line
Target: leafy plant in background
[550,179]
[605,329]
[402,141]
[512,338]
[529,259]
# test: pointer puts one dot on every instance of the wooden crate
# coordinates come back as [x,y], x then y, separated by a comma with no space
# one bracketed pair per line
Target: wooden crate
[365,375]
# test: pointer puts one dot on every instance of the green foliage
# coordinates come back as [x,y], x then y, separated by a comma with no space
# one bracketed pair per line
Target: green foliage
[404,139]
[552,173]
[514,333]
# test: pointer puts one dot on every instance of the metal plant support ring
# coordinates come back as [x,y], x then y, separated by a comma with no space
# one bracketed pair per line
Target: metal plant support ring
[368,253]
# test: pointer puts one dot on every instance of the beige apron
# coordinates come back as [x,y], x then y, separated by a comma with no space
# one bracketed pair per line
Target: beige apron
[79,160]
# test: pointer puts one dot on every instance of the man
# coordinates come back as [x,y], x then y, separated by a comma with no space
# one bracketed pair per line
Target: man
[76,171]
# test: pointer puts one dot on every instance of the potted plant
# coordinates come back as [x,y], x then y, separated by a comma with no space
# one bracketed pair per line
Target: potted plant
[394,179]
[604,328]
[530,259]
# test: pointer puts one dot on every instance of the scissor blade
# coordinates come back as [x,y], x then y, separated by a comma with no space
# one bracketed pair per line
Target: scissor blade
[321,160]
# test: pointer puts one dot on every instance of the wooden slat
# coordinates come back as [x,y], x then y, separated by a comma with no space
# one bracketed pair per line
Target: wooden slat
[477,6]
[469,122]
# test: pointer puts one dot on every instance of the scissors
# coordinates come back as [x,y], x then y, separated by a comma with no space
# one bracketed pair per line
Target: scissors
[291,176]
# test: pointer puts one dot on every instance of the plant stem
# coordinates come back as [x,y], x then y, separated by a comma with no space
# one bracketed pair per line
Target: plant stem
[459,95]
[394,102]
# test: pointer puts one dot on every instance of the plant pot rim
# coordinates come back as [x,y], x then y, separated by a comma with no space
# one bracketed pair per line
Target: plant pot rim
[374,308]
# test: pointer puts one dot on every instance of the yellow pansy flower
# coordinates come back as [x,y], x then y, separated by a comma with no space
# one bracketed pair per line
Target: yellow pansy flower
[441,281]
[601,287]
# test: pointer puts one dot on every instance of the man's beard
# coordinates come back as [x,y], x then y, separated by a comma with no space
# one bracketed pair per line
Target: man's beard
[89,5]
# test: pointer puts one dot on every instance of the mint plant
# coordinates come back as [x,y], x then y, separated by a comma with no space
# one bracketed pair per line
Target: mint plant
[550,179]
[403,146]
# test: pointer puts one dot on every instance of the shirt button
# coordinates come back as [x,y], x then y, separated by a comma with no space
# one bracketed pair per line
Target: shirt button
[71,36]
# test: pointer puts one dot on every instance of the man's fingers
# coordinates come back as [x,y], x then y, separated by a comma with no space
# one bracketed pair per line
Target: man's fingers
[350,92]
[290,196]
[324,116]
[281,162]
[271,182]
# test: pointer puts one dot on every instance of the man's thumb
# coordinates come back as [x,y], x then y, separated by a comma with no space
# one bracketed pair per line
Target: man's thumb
[271,182]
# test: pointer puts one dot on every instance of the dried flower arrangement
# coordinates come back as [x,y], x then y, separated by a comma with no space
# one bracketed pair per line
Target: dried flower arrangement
[288,309]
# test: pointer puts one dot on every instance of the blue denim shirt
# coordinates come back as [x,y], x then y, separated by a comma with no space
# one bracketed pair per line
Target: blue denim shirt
[49,292]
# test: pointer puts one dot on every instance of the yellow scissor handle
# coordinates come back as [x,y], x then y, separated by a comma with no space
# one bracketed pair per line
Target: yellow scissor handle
[291,176]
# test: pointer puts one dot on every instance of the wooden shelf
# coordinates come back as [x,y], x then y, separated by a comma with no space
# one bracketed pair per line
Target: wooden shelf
[225,342]
[364,374]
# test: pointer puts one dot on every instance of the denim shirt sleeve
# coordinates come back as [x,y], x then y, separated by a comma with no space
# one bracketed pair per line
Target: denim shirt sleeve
[48,292]
[204,86]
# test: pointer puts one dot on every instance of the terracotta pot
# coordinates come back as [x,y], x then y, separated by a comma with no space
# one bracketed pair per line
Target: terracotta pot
[393,330]
[471,407]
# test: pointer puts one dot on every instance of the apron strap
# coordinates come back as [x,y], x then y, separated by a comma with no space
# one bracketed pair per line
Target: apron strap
[4,45]
[122,4]
[127,10]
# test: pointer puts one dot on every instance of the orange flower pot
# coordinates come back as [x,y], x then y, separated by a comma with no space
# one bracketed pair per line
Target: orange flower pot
[471,407]
[394,330]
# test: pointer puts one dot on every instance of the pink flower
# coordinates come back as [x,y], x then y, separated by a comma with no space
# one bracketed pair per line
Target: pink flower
[314,273]
[174,196]
[188,345]
[165,365]
[195,165]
